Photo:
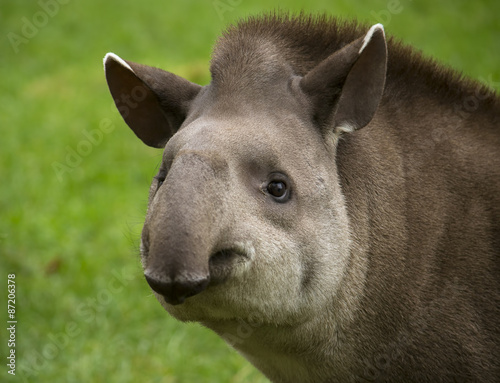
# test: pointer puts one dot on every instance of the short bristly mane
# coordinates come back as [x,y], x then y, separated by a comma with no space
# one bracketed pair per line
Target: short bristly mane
[303,41]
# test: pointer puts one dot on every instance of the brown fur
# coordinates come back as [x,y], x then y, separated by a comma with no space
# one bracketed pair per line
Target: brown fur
[385,264]
[304,41]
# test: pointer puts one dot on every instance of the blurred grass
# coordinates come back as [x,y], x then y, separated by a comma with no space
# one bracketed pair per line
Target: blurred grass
[85,313]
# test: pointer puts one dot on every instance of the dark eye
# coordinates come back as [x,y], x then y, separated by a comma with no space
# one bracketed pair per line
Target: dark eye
[278,190]
[159,181]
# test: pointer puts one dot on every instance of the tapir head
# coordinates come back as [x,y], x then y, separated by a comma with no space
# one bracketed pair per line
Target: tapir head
[246,215]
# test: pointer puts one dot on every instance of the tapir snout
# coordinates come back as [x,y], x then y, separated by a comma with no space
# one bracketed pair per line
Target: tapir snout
[182,238]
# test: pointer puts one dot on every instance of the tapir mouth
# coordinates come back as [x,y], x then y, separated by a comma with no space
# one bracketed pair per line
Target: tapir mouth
[175,290]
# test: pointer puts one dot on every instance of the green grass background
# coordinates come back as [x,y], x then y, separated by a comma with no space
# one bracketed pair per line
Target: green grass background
[84,312]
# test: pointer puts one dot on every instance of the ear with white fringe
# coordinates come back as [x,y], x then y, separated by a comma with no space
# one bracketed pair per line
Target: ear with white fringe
[346,87]
[153,102]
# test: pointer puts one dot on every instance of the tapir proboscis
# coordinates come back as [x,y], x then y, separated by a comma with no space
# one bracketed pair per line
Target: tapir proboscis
[329,204]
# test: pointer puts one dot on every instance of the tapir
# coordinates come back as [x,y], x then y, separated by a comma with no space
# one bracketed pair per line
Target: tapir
[329,204]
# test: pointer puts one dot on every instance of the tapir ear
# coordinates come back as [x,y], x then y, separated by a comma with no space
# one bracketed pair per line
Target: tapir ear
[346,87]
[153,102]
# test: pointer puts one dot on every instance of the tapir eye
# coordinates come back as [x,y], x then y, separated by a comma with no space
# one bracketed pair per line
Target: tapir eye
[276,189]
[159,181]
[279,190]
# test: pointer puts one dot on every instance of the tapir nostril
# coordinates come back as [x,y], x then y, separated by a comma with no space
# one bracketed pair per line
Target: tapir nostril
[223,262]
[175,291]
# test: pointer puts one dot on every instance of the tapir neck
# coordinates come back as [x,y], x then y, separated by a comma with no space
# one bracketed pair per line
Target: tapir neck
[284,354]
